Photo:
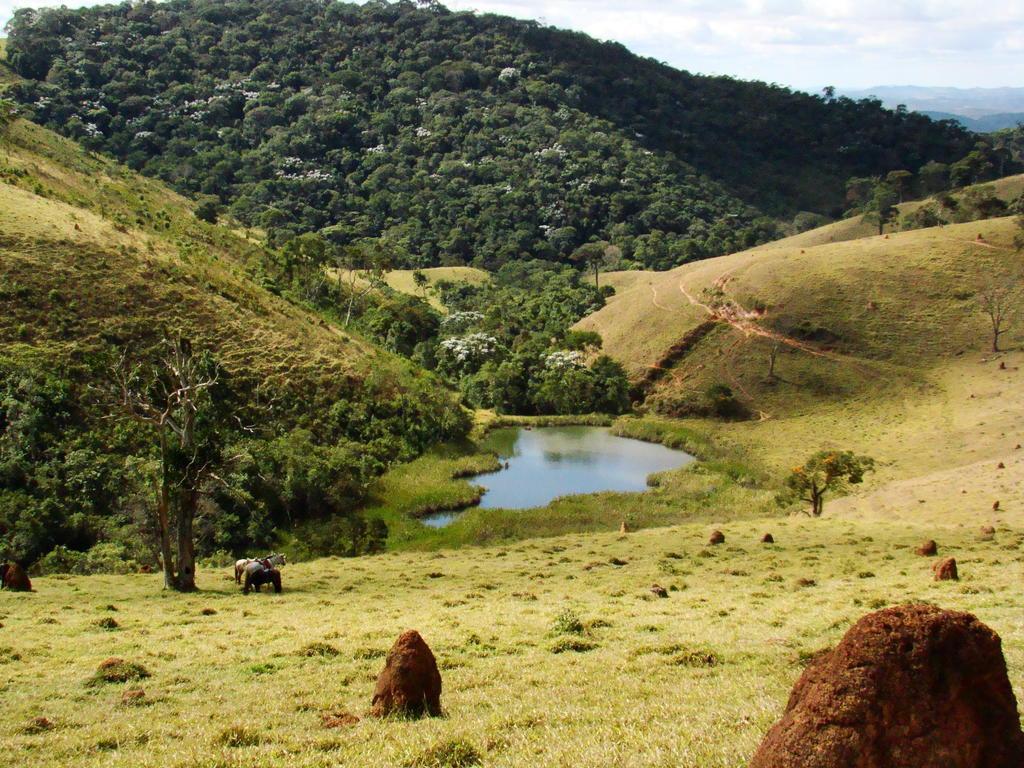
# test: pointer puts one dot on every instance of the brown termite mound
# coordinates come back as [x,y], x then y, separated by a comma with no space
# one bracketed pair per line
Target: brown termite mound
[912,686]
[928,548]
[410,683]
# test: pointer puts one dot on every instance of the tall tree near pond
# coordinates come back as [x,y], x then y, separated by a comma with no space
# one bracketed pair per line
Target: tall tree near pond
[175,396]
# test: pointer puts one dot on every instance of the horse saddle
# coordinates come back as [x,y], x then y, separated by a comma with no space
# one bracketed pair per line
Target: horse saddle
[255,567]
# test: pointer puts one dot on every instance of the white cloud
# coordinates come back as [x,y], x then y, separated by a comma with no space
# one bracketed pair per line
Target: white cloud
[804,43]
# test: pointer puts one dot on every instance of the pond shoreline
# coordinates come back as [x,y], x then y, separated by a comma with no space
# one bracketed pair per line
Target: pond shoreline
[719,485]
[543,464]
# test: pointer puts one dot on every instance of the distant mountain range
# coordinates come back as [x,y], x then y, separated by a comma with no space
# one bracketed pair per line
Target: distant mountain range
[979,109]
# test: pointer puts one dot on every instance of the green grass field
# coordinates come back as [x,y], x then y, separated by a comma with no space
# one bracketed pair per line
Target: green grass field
[401,280]
[693,680]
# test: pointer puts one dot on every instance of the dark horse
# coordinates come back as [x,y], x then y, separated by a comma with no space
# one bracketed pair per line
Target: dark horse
[260,577]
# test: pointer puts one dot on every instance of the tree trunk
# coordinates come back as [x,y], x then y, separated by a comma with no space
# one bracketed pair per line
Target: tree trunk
[351,301]
[771,360]
[163,515]
[186,581]
[597,271]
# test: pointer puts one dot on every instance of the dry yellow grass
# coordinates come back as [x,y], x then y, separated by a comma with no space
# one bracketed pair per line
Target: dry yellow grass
[402,281]
[693,680]
[909,383]
[895,296]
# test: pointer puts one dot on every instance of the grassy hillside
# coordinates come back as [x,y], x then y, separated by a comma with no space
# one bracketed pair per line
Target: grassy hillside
[1006,189]
[96,262]
[402,281]
[903,298]
[884,346]
[144,239]
[692,680]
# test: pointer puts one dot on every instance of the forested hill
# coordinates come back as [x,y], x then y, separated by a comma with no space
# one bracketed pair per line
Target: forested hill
[459,138]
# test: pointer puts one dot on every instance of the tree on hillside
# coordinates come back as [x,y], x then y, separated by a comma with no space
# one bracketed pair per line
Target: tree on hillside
[976,166]
[858,192]
[934,177]
[783,327]
[827,471]
[177,397]
[421,282]
[1000,298]
[361,269]
[900,181]
[881,207]
[6,114]
[598,255]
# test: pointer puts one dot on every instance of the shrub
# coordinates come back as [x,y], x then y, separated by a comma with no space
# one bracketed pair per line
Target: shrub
[208,209]
[106,557]
[722,403]
[697,659]
[576,645]
[369,653]
[452,753]
[319,649]
[115,670]
[238,736]
[38,725]
[567,623]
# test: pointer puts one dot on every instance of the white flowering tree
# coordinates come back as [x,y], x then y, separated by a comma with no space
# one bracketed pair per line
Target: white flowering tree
[564,360]
[457,323]
[461,355]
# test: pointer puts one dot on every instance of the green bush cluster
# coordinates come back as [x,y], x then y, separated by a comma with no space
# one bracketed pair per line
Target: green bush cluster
[77,486]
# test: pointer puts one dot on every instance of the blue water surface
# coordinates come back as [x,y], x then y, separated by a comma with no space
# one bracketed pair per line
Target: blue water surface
[549,462]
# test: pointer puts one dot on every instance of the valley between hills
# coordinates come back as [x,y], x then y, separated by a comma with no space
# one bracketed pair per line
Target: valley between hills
[352,342]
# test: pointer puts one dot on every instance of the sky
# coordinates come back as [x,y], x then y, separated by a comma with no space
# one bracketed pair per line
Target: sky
[804,44]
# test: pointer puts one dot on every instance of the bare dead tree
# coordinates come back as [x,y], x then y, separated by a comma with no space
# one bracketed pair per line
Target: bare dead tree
[999,298]
[361,268]
[167,397]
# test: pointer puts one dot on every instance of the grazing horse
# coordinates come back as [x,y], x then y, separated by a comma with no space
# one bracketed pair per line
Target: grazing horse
[274,560]
[259,576]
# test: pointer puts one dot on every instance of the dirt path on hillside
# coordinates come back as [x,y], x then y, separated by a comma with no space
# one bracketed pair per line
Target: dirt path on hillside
[983,244]
[654,299]
[743,320]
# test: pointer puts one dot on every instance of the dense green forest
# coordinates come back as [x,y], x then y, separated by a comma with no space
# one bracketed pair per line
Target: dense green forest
[456,138]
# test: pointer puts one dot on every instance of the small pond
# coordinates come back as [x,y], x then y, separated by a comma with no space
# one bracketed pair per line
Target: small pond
[545,463]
